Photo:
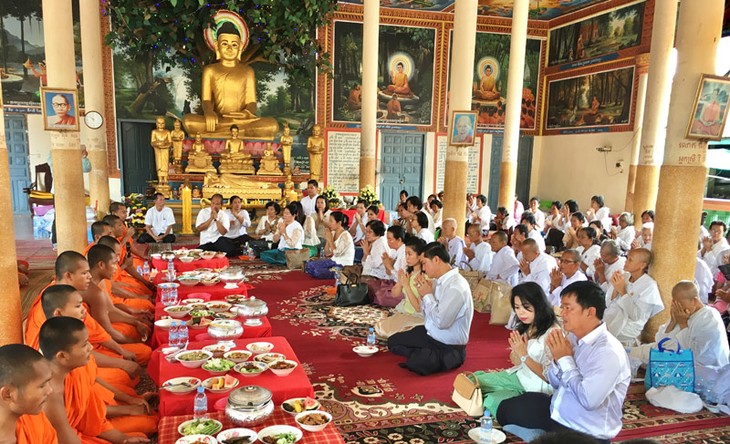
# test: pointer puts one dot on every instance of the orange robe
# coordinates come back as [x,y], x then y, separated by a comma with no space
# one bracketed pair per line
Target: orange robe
[35,429]
[124,328]
[126,279]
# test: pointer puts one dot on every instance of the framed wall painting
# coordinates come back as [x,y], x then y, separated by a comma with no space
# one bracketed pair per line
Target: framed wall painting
[463,128]
[60,109]
[710,108]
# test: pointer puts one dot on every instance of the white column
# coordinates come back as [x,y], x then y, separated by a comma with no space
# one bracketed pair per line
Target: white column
[370,39]
[516,72]
[642,68]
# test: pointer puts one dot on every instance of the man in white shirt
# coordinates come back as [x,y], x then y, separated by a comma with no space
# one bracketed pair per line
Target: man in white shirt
[715,247]
[453,243]
[568,271]
[539,215]
[694,326]
[608,263]
[528,220]
[590,373]
[447,307]
[158,223]
[240,221]
[505,266]
[212,223]
[536,265]
[310,200]
[703,279]
[632,298]
[478,253]
[483,215]
[414,205]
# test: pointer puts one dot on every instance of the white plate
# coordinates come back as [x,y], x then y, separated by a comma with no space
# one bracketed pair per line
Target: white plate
[182,426]
[260,347]
[365,350]
[237,433]
[197,438]
[268,358]
[164,323]
[277,429]
[497,435]
[179,389]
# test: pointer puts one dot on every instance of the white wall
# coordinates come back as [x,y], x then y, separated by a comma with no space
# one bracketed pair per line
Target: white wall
[570,167]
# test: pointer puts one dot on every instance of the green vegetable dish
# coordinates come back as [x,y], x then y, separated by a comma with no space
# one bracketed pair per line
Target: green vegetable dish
[202,427]
[218,365]
[280,438]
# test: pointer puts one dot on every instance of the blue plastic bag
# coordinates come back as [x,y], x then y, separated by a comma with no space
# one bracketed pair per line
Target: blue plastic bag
[670,367]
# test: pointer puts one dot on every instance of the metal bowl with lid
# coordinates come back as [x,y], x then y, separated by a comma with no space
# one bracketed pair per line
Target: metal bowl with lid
[232,276]
[252,310]
[225,331]
[249,406]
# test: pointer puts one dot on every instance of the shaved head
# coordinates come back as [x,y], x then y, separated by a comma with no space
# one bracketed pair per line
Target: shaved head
[100,253]
[449,222]
[68,262]
[55,297]
[530,245]
[99,229]
[108,241]
[642,255]
[501,236]
[685,290]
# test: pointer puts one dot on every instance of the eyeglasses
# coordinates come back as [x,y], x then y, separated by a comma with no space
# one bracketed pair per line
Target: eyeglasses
[59,104]
[566,261]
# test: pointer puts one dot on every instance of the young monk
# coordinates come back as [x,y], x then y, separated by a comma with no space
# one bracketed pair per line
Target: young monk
[129,276]
[98,230]
[123,327]
[76,407]
[72,269]
[125,300]
[25,383]
[139,251]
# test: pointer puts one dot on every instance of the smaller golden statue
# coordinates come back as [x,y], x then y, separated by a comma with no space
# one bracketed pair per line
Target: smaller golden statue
[290,194]
[286,142]
[177,136]
[199,161]
[269,165]
[161,143]
[233,158]
[315,146]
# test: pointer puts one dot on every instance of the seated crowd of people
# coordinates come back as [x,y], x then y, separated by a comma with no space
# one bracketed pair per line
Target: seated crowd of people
[576,321]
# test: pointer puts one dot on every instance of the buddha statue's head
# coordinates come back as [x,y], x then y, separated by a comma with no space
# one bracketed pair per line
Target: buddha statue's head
[176,124]
[234,131]
[198,137]
[160,123]
[228,43]
[316,130]
[286,129]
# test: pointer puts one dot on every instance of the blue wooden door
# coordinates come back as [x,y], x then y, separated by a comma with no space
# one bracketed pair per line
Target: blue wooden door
[524,168]
[401,166]
[16,137]
[137,156]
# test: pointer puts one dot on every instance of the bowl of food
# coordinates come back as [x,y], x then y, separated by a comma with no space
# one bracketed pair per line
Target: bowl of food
[294,406]
[252,310]
[237,355]
[181,386]
[191,301]
[198,306]
[283,367]
[217,349]
[237,436]
[218,306]
[200,426]
[164,323]
[221,384]
[186,259]
[248,406]
[236,298]
[218,366]
[199,323]
[193,358]
[197,439]
[365,350]
[188,281]
[224,315]
[200,313]
[251,368]
[225,329]
[208,255]
[314,421]
[177,311]
[260,347]
[268,358]
[220,255]
[210,282]
[280,434]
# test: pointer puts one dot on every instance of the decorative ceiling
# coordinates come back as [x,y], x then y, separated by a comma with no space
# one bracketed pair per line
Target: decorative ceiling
[539,9]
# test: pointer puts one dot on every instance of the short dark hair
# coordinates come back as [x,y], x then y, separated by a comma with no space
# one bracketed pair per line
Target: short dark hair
[219,196]
[326,204]
[67,262]
[522,229]
[111,219]
[578,215]
[115,206]
[437,203]
[234,197]
[415,201]
[482,198]
[374,209]
[341,218]
[436,249]
[718,223]
[98,227]
[531,294]
[99,253]
[108,241]
[416,244]
[59,334]
[313,182]
[404,193]
[572,206]
[590,233]
[422,219]
[16,364]
[598,198]
[649,213]
[398,232]
[587,294]
[377,226]
[276,206]
[527,216]
[54,297]
[293,209]
[156,195]
[503,211]
[557,204]
[535,198]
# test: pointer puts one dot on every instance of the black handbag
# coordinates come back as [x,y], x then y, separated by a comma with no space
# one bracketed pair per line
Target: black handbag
[351,293]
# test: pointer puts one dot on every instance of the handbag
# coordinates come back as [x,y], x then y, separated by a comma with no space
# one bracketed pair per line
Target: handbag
[467,394]
[500,304]
[295,259]
[670,367]
[472,277]
[487,290]
[351,293]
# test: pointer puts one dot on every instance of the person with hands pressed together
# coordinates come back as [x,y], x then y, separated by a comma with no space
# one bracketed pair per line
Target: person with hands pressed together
[128,277]
[239,222]
[288,236]
[447,307]
[715,247]
[505,266]
[609,261]
[453,243]
[269,222]
[478,255]
[568,271]
[590,373]
[374,246]
[359,222]
[136,305]
[158,223]
[535,265]
[212,223]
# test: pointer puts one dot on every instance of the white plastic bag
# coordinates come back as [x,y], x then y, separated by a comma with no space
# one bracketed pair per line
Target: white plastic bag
[672,398]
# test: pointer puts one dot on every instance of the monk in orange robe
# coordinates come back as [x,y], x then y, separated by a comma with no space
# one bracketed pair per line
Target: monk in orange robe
[76,407]
[138,251]
[99,229]
[25,383]
[129,276]
[121,295]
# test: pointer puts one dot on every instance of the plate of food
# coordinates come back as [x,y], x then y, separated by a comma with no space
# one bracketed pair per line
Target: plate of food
[283,367]
[200,426]
[295,406]
[197,439]
[218,366]
[218,350]
[280,434]
[268,358]
[497,435]
[235,298]
[237,355]
[181,385]
[224,315]
[218,306]
[193,358]
[237,436]
[220,384]
[199,323]
[191,301]
[250,368]
[260,347]
[314,421]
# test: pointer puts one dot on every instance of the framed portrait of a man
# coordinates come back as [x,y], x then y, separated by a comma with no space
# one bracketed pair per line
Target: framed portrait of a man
[60,109]
[463,128]
[710,109]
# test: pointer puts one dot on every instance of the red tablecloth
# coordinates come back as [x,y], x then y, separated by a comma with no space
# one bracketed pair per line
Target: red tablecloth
[167,429]
[159,336]
[190,266]
[217,292]
[294,385]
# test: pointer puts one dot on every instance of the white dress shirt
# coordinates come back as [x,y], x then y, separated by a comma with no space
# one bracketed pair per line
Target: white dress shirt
[540,271]
[626,315]
[537,236]
[294,237]
[373,264]
[590,386]
[262,226]
[159,220]
[604,215]
[211,234]
[456,251]
[237,228]
[554,297]
[713,258]
[308,204]
[449,310]
[505,266]
[482,260]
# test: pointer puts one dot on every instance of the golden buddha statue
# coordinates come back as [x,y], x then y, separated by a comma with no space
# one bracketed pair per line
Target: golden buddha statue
[286,141]
[161,143]
[315,146]
[177,135]
[199,161]
[233,158]
[269,165]
[228,95]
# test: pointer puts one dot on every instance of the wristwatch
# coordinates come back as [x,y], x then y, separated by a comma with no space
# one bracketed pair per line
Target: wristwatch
[523,359]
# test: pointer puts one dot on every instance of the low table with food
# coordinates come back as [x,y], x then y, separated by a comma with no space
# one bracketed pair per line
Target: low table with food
[208,284]
[188,260]
[223,366]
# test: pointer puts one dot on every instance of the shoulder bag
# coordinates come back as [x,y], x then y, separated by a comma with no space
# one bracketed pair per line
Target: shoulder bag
[467,394]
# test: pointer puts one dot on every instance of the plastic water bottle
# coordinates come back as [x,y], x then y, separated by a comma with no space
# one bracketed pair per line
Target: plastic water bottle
[146,270]
[200,405]
[182,335]
[485,429]
[170,270]
[174,335]
[371,337]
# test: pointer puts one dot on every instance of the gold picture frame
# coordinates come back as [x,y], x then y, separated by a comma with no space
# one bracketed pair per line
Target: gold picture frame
[463,128]
[710,108]
[56,115]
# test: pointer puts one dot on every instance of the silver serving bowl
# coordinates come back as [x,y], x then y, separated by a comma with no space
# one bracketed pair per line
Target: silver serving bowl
[252,310]
[249,406]
[225,330]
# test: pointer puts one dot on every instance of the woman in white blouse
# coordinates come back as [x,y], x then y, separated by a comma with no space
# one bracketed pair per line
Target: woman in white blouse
[339,248]
[419,222]
[374,246]
[529,354]
[289,235]
[240,221]
[599,211]
[269,222]
[321,217]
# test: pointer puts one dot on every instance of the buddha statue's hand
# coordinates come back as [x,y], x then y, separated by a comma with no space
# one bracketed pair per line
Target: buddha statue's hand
[211,121]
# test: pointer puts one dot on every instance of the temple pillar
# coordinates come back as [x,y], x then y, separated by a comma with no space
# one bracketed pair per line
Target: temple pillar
[516,72]
[68,180]
[460,91]
[642,68]
[369,96]
[682,176]
[94,101]
[10,317]
[654,126]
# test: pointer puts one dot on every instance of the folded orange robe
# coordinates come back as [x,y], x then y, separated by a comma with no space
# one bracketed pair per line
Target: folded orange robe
[35,429]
